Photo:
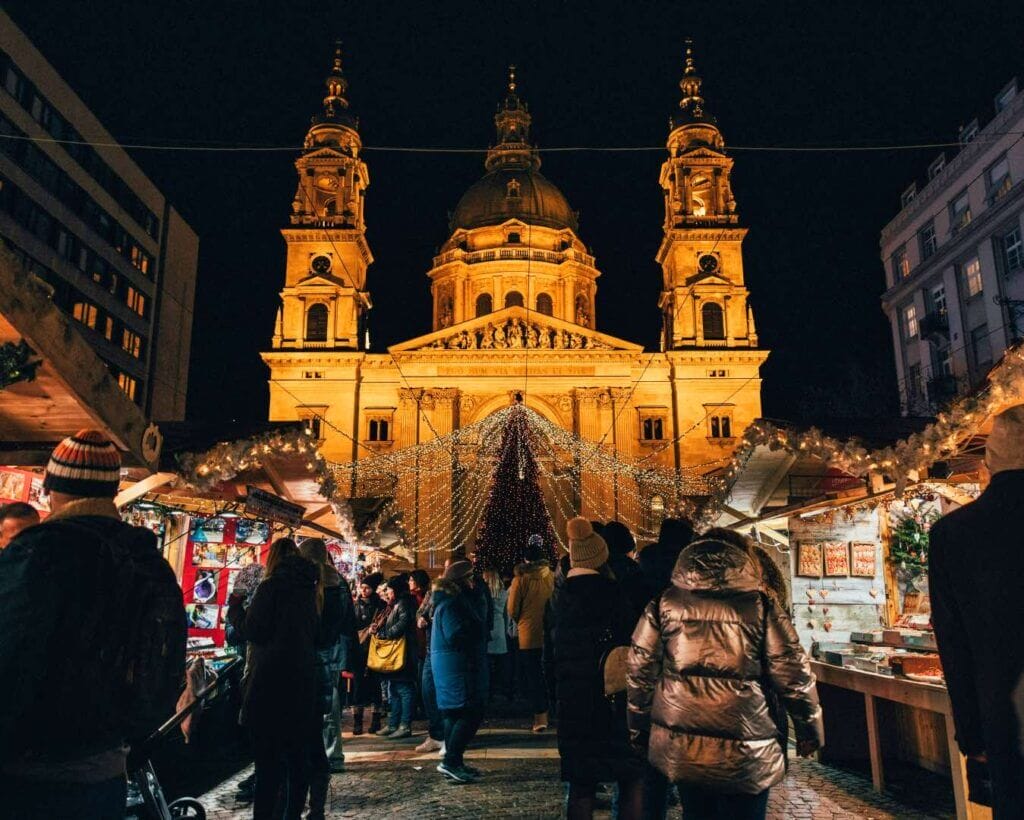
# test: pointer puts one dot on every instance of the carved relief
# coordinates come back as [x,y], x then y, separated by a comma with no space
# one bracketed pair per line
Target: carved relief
[445,305]
[515,334]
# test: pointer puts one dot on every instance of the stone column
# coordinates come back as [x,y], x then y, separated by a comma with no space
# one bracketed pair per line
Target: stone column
[441,405]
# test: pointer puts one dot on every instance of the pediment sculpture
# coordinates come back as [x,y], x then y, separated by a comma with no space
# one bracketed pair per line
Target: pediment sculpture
[517,334]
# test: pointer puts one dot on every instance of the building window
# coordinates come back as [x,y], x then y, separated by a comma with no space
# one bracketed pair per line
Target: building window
[908,196]
[720,424]
[713,321]
[913,384]
[938,297]
[910,321]
[85,313]
[379,429]
[544,304]
[968,132]
[1013,251]
[652,428]
[131,343]
[959,213]
[108,329]
[900,263]
[997,179]
[313,374]
[945,362]
[981,346]
[929,244]
[316,323]
[972,276]
[135,300]
[717,374]
[936,167]
[484,304]
[513,238]
[314,425]
[1005,97]
[512,188]
[513,299]
[127,384]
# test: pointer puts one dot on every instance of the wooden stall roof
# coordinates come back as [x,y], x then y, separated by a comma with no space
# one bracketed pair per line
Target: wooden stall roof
[73,388]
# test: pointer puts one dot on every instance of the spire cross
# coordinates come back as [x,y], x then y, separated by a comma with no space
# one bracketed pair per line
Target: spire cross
[512,78]
[690,69]
[337,56]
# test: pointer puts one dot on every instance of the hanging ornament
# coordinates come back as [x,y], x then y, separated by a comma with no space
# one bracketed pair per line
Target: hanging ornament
[827,626]
[873,592]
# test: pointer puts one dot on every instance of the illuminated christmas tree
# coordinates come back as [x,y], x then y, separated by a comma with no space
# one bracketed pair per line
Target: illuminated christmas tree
[515,505]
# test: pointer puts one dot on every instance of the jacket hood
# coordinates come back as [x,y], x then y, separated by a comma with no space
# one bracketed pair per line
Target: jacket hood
[532,568]
[442,590]
[295,570]
[710,565]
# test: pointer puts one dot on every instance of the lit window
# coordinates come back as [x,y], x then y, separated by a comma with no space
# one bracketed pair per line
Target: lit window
[936,167]
[85,313]
[1013,250]
[652,428]
[972,276]
[997,179]
[127,384]
[313,424]
[108,329]
[959,213]
[928,241]
[910,321]
[900,263]
[136,301]
[131,343]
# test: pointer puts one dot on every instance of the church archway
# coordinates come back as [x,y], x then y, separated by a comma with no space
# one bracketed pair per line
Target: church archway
[316,323]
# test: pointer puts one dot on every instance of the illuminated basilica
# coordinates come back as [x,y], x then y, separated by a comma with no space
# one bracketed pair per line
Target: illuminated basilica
[514,315]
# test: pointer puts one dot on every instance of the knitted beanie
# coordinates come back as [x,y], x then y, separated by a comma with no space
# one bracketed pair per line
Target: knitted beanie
[587,549]
[86,465]
[1004,448]
[458,570]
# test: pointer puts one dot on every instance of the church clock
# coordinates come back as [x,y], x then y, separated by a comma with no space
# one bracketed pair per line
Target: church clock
[708,263]
[321,264]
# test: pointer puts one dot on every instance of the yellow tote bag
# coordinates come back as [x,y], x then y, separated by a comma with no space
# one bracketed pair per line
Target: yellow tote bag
[386,654]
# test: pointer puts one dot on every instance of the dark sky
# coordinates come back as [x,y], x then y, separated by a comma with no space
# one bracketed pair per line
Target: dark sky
[594,74]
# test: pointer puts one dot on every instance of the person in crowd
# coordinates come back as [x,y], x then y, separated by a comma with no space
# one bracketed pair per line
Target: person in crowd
[657,560]
[399,621]
[973,551]
[280,706]
[14,518]
[247,580]
[434,741]
[92,643]
[337,620]
[459,659]
[700,657]
[365,683]
[591,617]
[621,545]
[527,599]
[497,644]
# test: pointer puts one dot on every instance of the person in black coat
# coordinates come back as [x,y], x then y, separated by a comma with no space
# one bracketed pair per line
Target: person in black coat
[657,560]
[591,616]
[399,621]
[627,572]
[279,693]
[975,561]
[365,683]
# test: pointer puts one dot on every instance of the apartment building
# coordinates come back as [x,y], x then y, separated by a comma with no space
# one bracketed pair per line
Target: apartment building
[954,261]
[88,222]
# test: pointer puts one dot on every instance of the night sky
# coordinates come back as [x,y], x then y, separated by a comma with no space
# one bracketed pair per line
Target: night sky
[430,75]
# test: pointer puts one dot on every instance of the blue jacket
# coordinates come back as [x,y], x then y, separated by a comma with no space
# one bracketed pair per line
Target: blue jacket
[458,646]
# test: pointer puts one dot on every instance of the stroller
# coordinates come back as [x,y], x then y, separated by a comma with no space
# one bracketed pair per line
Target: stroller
[146,799]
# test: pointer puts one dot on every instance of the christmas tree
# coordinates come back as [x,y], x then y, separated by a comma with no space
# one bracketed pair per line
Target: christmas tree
[515,505]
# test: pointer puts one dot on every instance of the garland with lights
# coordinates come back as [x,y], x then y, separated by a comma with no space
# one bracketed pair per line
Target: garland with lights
[908,545]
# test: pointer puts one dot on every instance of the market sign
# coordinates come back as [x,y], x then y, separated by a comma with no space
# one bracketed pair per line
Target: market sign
[261,504]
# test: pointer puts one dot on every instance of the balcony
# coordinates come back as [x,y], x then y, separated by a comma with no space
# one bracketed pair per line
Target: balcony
[934,327]
[942,389]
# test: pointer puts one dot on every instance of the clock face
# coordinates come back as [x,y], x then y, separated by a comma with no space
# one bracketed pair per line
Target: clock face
[321,264]
[708,263]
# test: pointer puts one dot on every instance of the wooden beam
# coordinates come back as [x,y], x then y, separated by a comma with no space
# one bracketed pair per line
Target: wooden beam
[274,477]
[320,513]
[141,488]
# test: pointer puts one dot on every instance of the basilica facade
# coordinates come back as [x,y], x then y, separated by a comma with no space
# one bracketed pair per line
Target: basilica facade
[515,314]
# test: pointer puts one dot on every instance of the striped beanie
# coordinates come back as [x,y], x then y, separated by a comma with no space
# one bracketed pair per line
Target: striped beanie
[86,465]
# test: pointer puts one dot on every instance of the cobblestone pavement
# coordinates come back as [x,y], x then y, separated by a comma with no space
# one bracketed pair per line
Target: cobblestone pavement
[390,780]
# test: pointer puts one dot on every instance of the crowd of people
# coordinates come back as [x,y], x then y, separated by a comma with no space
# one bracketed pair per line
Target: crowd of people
[671,673]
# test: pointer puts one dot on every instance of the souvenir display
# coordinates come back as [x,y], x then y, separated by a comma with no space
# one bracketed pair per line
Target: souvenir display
[862,559]
[202,616]
[204,588]
[210,530]
[248,531]
[837,559]
[809,559]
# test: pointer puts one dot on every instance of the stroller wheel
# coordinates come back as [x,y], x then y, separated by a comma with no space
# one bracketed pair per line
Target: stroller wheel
[187,807]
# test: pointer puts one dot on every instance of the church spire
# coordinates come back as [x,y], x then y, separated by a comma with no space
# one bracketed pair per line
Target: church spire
[692,101]
[337,86]
[512,123]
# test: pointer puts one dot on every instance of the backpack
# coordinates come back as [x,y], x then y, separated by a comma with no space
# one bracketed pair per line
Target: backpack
[140,653]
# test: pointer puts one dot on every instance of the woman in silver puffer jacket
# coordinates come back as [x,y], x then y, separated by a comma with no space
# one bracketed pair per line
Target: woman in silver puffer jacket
[704,653]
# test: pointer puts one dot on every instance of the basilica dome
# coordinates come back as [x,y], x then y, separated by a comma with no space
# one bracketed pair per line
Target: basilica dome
[513,193]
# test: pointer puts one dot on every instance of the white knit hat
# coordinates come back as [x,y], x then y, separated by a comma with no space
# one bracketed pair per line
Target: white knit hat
[587,549]
[1004,449]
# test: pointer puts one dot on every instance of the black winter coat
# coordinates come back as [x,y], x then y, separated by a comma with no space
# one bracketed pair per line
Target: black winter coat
[975,564]
[401,621]
[279,693]
[631,582]
[591,616]
[656,563]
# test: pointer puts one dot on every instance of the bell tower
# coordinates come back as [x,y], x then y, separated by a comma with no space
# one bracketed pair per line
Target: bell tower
[703,298]
[325,301]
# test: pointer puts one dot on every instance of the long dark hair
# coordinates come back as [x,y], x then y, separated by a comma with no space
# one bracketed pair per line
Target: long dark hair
[280,549]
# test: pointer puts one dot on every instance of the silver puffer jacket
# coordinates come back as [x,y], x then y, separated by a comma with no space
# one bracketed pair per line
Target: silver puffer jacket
[702,654]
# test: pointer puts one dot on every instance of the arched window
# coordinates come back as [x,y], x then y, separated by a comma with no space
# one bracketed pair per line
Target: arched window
[484,304]
[513,299]
[713,320]
[316,323]
[544,304]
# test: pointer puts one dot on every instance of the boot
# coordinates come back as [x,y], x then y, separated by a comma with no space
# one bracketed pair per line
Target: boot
[540,721]
[375,722]
[357,720]
[319,783]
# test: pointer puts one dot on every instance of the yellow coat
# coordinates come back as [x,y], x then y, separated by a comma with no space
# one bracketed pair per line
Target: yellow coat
[531,588]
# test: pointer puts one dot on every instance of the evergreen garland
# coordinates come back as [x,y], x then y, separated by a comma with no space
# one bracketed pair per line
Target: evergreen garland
[908,542]
[16,364]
